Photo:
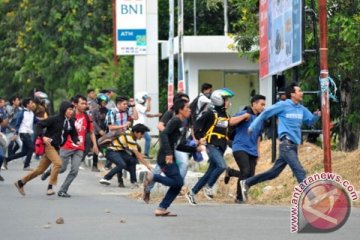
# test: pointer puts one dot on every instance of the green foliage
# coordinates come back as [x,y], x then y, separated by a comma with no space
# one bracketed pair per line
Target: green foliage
[52,45]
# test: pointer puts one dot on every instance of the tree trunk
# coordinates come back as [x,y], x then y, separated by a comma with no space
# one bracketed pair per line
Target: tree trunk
[349,136]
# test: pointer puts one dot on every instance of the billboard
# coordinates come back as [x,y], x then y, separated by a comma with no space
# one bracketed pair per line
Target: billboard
[280,35]
[131,27]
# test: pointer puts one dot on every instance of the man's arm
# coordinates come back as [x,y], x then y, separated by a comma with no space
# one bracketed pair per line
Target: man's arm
[269,112]
[140,157]
[238,119]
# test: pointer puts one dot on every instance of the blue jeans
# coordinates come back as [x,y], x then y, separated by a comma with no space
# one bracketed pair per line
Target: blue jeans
[182,160]
[288,155]
[122,160]
[114,157]
[1,156]
[27,149]
[216,167]
[147,138]
[173,180]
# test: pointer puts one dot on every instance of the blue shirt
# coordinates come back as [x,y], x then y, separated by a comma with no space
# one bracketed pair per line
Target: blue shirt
[290,115]
[243,141]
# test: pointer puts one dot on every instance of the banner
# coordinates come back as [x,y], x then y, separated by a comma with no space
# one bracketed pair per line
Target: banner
[280,32]
[131,27]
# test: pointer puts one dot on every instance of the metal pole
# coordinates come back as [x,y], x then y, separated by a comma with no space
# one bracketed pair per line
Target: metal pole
[114,38]
[226,23]
[273,122]
[324,73]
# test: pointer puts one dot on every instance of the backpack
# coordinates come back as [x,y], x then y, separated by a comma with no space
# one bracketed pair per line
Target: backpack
[210,132]
[194,110]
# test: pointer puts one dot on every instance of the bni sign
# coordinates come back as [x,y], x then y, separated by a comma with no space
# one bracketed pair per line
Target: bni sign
[131,27]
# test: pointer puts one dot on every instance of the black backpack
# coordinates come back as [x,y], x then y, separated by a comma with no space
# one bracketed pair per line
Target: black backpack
[194,112]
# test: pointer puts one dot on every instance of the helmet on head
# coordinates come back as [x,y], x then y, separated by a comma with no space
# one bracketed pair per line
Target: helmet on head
[41,95]
[218,96]
[101,97]
[141,97]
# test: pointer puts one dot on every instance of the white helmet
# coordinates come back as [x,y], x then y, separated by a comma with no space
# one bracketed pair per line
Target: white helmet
[217,97]
[141,97]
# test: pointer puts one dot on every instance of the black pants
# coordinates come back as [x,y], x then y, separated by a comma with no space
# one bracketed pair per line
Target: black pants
[247,164]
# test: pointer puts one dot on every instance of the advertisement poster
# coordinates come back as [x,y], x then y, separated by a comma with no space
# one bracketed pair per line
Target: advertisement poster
[280,35]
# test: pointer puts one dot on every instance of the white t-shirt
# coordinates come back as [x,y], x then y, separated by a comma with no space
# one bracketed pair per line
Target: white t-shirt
[141,109]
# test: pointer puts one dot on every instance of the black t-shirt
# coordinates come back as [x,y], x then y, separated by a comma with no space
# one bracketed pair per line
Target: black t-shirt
[172,138]
[167,116]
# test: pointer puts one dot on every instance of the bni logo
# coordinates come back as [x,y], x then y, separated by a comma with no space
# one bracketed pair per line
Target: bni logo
[321,203]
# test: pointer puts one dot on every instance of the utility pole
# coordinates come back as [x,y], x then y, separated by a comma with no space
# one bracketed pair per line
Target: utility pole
[324,82]
[114,38]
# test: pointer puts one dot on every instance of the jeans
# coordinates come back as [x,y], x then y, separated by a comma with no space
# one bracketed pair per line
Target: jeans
[182,160]
[288,155]
[173,180]
[27,149]
[147,139]
[216,167]
[246,164]
[1,156]
[122,160]
[75,157]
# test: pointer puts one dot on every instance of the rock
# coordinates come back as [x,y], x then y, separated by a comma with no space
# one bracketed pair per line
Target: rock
[279,187]
[107,210]
[122,221]
[267,189]
[60,220]
[47,226]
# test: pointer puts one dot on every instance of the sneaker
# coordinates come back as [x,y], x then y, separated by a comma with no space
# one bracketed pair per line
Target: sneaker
[134,185]
[63,195]
[45,175]
[208,192]
[27,169]
[50,192]
[20,189]
[95,169]
[244,189]
[1,179]
[191,198]
[104,181]
[5,164]
[227,176]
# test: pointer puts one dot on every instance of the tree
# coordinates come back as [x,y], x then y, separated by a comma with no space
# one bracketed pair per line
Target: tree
[344,47]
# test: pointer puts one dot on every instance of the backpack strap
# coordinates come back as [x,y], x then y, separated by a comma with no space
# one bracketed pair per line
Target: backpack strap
[210,132]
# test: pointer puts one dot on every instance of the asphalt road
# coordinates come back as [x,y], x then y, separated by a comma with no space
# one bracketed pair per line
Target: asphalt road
[105,212]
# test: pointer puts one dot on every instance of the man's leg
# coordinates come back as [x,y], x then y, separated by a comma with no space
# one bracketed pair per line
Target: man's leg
[219,165]
[56,161]
[147,139]
[290,155]
[182,160]
[243,161]
[114,157]
[29,145]
[75,164]
[131,162]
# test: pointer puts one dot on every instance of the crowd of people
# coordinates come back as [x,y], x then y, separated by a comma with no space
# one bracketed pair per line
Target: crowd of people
[96,124]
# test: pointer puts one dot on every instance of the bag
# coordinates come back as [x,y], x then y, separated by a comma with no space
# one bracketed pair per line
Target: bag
[195,112]
[105,140]
[39,146]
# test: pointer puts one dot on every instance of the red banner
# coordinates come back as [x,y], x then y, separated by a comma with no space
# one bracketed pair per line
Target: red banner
[263,33]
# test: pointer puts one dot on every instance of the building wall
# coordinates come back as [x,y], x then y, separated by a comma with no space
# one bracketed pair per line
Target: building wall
[146,67]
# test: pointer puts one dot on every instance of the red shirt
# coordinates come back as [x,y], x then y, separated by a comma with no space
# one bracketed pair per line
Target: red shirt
[81,128]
